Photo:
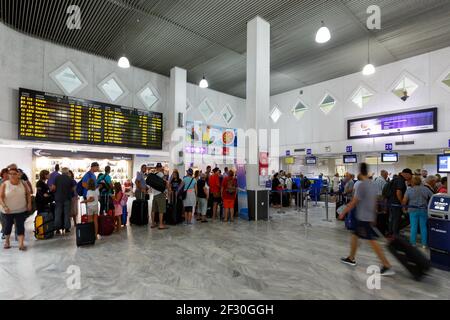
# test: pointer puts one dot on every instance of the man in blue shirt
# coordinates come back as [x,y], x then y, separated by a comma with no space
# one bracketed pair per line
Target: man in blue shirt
[52,177]
[95,167]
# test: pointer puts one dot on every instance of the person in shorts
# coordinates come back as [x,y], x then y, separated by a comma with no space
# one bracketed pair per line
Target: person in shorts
[190,188]
[92,196]
[159,201]
[364,200]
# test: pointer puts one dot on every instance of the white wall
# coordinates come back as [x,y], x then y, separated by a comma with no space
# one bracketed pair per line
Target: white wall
[317,130]
[27,62]
[218,100]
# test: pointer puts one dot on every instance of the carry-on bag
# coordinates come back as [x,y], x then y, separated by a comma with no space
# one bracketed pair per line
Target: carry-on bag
[105,225]
[410,257]
[44,225]
[139,213]
[156,182]
[85,234]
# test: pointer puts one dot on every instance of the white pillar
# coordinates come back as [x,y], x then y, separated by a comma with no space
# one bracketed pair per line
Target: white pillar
[177,104]
[258,90]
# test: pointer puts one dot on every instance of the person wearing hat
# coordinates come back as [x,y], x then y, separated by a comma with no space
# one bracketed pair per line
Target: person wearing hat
[399,187]
[95,167]
[189,186]
[159,201]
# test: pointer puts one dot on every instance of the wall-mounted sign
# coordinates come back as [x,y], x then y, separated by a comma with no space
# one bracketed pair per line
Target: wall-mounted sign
[388,147]
[39,153]
[420,121]
[349,149]
[308,152]
[263,164]
[288,153]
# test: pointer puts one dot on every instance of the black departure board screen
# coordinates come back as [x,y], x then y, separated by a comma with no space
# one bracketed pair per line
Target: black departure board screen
[51,117]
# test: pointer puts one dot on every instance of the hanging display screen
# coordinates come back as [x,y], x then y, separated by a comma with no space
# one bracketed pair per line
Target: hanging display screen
[412,122]
[50,117]
[350,158]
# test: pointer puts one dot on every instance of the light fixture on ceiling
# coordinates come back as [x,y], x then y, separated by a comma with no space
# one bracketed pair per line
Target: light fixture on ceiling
[323,34]
[203,83]
[369,68]
[124,63]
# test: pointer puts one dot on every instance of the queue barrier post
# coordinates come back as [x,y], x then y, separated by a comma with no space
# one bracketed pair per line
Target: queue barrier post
[281,203]
[306,224]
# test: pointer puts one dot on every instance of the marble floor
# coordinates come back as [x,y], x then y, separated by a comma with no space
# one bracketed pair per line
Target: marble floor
[279,259]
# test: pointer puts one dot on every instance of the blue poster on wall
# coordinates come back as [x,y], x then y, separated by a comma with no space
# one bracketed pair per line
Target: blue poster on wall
[242,192]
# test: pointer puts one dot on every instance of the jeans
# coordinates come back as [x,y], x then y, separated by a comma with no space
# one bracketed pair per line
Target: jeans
[62,214]
[418,217]
[104,203]
[18,219]
[394,220]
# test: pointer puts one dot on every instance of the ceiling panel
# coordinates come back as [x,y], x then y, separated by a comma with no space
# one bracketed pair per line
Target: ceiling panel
[209,36]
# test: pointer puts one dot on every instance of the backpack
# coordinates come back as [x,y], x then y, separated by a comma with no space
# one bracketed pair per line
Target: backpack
[124,200]
[306,183]
[101,182]
[388,190]
[80,188]
[231,186]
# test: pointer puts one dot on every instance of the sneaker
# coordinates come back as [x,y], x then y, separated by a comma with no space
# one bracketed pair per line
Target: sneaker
[387,271]
[348,261]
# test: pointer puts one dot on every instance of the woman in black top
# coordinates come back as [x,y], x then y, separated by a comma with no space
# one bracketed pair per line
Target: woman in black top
[43,195]
[174,183]
[276,201]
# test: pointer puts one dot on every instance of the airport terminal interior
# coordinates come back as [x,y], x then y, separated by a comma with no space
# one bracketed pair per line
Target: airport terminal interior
[224,150]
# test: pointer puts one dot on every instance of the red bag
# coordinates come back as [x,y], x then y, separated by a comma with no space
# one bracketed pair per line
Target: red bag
[84,219]
[106,225]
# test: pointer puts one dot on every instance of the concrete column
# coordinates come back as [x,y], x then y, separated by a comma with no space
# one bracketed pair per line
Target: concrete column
[177,104]
[258,89]
[258,93]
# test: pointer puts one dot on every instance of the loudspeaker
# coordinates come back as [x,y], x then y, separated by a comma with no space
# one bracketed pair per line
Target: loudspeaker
[180,120]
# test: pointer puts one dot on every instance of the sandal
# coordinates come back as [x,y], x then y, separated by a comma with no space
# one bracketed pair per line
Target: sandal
[23,248]
[165,228]
[6,247]
[153,227]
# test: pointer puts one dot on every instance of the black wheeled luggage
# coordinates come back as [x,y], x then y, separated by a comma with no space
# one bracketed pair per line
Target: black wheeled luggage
[410,257]
[139,213]
[85,234]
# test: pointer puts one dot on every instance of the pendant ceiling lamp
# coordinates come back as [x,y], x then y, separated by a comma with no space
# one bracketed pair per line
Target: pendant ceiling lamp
[124,63]
[204,83]
[323,34]
[369,68]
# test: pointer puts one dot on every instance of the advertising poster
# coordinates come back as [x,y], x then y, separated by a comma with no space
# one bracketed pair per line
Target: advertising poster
[242,193]
[263,168]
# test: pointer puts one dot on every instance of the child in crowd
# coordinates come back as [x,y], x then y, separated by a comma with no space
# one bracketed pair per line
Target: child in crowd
[91,202]
[118,208]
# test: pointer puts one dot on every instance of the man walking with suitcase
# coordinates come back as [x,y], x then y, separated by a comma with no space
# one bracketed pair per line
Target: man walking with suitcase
[364,200]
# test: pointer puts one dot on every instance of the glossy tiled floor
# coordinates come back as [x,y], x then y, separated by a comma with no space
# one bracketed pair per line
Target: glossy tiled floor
[275,260]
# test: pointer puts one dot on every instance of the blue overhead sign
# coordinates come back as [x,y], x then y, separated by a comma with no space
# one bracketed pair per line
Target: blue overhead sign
[389,147]
[308,152]
[349,149]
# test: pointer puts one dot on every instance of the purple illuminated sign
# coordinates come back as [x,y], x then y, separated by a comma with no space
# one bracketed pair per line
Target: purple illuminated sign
[196,150]
[412,122]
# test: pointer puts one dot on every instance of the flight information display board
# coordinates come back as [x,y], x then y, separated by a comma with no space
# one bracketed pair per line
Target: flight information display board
[50,117]
[413,122]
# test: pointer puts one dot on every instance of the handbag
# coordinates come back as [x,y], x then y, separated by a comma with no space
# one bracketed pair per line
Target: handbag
[184,193]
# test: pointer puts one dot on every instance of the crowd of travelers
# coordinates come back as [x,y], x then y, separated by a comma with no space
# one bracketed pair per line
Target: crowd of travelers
[194,195]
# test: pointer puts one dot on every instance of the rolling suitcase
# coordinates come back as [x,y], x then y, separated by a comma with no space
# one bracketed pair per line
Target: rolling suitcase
[139,213]
[105,225]
[410,257]
[85,234]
